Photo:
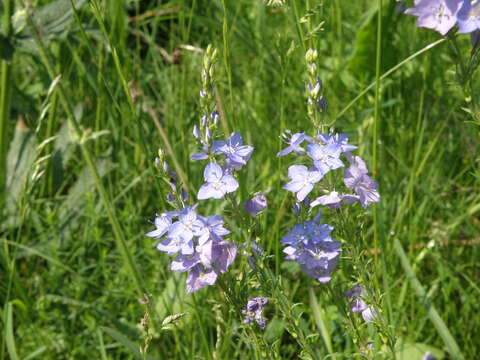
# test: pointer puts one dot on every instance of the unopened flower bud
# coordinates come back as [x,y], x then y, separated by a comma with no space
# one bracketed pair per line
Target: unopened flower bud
[256,204]
[322,104]
[196,132]
[311,55]
[161,154]
[184,194]
[215,117]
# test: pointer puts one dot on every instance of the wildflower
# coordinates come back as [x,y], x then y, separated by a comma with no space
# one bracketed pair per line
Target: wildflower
[439,15]
[340,140]
[188,223]
[199,277]
[256,204]
[237,153]
[331,200]
[184,262]
[306,232]
[325,158]
[198,244]
[200,155]
[469,17]
[294,144]
[217,183]
[162,223]
[253,311]
[302,180]
[356,178]
[176,241]
[212,229]
[311,245]
[356,295]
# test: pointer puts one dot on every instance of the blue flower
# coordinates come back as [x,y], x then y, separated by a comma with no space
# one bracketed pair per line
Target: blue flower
[162,224]
[311,245]
[302,180]
[294,144]
[253,311]
[188,223]
[356,178]
[325,158]
[176,241]
[199,277]
[340,140]
[217,183]
[256,204]
[469,17]
[212,229]
[439,15]
[237,153]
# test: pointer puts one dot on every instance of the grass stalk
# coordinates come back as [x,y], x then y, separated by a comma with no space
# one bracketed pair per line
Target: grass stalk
[376,119]
[5,95]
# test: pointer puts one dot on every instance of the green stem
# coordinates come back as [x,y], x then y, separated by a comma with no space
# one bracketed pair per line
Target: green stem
[377,119]
[48,185]
[5,95]
[117,230]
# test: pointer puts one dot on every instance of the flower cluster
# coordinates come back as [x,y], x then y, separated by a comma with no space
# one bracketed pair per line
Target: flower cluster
[198,244]
[311,245]
[196,240]
[443,15]
[324,151]
[253,311]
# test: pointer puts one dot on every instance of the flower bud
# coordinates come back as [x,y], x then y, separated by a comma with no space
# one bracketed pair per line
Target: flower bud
[215,117]
[311,55]
[196,132]
[256,204]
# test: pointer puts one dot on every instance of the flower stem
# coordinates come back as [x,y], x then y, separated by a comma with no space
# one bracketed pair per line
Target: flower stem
[5,94]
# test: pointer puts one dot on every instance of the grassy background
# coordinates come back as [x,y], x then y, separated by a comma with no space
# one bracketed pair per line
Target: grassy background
[65,289]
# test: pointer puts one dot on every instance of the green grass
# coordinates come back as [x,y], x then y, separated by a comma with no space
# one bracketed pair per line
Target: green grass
[130,75]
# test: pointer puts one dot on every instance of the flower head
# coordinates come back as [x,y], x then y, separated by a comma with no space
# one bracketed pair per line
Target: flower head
[199,277]
[256,204]
[253,311]
[469,17]
[237,153]
[325,158]
[162,223]
[439,15]
[356,178]
[340,140]
[294,144]
[302,180]
[217,183]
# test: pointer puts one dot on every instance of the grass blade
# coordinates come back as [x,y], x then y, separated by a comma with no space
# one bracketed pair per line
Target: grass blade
[9,337]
